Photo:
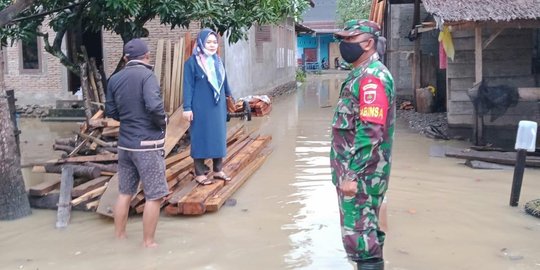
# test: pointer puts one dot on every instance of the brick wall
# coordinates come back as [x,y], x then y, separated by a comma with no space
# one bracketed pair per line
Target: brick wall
[113,46]
[43,87]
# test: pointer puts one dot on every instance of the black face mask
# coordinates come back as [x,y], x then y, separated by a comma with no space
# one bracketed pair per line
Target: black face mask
[350,51]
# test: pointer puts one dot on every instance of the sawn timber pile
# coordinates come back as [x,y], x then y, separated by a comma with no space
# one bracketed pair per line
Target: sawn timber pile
[96,180]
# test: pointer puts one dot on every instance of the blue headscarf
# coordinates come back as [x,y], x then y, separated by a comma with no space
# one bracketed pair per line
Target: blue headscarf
[202,56]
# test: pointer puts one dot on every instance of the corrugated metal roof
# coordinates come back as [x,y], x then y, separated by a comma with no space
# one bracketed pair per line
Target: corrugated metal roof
[484,10]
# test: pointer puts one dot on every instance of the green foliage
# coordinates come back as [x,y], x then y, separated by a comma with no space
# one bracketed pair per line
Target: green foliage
[231,18]
[300,75]
[352,9]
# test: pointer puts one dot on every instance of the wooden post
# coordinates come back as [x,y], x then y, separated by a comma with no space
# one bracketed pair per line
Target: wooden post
[521,157]
[85,90]
[478,119]
[416,57]
[64,203]
[98,80]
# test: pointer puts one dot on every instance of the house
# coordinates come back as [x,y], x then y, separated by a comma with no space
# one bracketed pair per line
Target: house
[318,46]
[496,41]
[261,64]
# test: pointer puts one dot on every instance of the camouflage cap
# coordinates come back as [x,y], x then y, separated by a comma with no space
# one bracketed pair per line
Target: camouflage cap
[356,27]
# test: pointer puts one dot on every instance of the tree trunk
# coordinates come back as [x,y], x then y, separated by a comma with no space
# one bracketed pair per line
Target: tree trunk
[14,202]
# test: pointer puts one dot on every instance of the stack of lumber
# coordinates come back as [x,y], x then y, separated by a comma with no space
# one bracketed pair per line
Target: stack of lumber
[258,106]
[89,165]
[95,185]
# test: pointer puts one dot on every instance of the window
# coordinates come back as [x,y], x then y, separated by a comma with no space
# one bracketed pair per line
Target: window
[30,56]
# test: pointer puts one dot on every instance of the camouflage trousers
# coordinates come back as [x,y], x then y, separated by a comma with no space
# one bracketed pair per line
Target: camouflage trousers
[359,216]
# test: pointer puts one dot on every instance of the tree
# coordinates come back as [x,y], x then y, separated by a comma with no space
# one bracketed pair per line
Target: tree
[231,18]
[352,9]
[14,202]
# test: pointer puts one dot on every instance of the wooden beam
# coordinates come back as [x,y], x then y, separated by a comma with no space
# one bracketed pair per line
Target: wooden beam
[159,60]
[107,200]
[88,195]
[177,157]
[416,55]
[492,38]
[82,159]
[215,202]
[167,80]
[478,51]
[176,128]
[44,187]
[89,186]
[64,206]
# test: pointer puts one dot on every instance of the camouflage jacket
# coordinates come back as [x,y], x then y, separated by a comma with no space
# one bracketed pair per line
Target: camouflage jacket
[363,128]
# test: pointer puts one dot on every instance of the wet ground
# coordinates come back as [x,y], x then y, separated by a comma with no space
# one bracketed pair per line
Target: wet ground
[442,215]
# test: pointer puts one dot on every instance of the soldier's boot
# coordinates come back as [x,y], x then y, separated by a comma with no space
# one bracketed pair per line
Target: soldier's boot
[371,264]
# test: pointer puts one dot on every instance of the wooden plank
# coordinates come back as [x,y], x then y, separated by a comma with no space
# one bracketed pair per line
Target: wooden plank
[478,128]
[44,187]
[176,128]
[476,164]
[504,121]
[92,205]
[215,202]
[171,160]
[194,203]
[506,158]
[107,122]
[180,74]
[38,169]
[174,77]
[184,187]
[89,186]
[78,170]
[64,206]
[108,199]
[529,93]
[159,60]
[97,140]
[167,82]
[89,195]
[523,108]
[111,132]
[81,159]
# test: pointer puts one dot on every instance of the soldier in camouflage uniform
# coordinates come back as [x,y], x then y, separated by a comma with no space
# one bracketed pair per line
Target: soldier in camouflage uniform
[362,135]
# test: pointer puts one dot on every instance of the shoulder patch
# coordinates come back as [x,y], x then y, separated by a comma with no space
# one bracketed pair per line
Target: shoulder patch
[373,100]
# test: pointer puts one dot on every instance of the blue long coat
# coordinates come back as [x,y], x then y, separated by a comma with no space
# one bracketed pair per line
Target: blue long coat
[208,130]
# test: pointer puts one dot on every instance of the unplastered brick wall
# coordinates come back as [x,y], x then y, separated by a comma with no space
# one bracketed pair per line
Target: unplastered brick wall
[113,45]
[43,86]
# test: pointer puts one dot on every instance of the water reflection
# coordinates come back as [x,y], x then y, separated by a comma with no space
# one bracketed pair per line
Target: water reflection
[314,233]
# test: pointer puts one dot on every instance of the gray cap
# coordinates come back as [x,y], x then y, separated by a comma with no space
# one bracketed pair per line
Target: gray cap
[135,48]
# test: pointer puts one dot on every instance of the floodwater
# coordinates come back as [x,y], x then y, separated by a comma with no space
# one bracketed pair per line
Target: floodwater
[442,215]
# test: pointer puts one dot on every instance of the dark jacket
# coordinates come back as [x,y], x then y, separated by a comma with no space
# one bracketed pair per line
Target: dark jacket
[134,99]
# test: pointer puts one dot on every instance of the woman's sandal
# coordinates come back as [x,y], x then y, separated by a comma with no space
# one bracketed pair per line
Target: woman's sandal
[204,182]
[222,176]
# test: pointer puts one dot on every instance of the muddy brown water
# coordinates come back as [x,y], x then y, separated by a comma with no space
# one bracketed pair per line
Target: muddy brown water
[442,215]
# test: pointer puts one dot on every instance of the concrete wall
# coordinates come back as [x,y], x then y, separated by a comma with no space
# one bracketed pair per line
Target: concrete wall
[43,86]
[257,67]
[400,48]
[507,60]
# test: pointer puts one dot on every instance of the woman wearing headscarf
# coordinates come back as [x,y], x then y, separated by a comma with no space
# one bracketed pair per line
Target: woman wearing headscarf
[205,93]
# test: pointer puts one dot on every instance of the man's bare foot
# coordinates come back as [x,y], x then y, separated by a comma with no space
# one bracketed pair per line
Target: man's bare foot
[150,244]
